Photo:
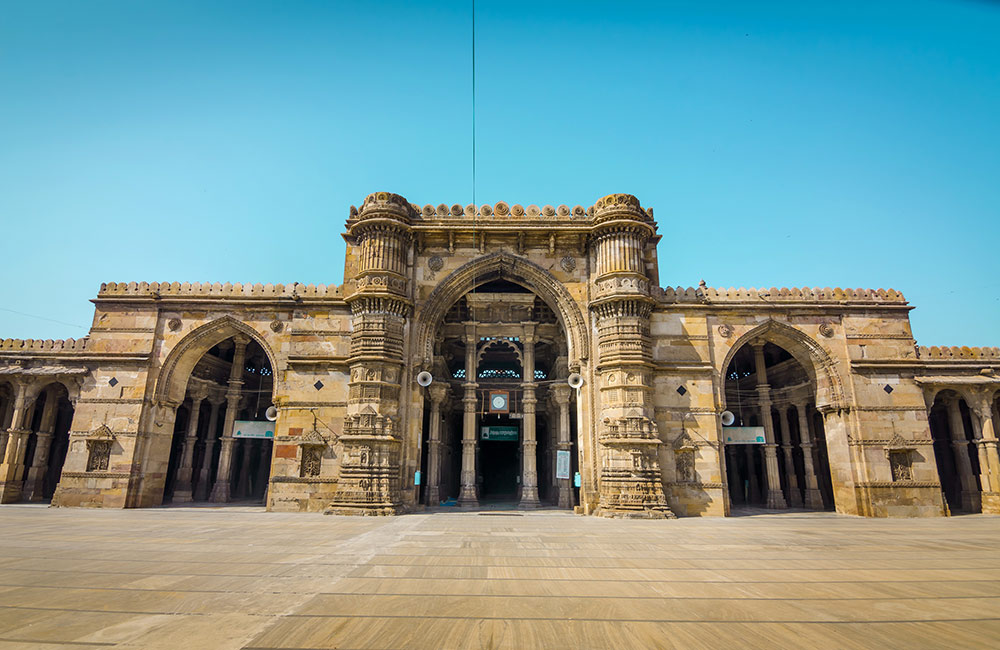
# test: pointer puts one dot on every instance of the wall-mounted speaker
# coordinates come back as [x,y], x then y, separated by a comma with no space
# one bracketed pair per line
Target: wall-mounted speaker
[728,418]
[575,380]
[425,378]
[271,413]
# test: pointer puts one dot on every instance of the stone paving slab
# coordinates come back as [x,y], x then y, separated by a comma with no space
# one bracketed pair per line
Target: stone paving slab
[242,578]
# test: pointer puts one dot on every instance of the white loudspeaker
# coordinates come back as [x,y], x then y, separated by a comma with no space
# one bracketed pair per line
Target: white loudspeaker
[271,413]
[728,418]
[425,378]
[575,380]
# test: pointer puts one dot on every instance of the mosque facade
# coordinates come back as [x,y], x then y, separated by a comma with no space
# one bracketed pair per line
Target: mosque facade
[501,356]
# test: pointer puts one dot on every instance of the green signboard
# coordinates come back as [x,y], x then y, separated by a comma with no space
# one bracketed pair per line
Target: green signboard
[506,433]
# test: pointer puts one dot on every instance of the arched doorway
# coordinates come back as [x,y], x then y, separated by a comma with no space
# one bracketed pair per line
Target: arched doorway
[955,451]
[42,451]
[499,418]
[776,454]
[220,450]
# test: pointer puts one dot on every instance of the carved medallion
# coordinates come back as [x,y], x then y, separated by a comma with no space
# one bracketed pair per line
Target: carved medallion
[568,264]
[174,324]
[725,331]
[277,325]
[435,263]
[826,329]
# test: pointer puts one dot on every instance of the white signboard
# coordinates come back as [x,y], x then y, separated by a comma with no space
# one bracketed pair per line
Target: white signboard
[744,435]
[253,429]
[562,463]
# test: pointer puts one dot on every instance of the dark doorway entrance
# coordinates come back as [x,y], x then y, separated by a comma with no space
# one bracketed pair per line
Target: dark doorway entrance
[500,469]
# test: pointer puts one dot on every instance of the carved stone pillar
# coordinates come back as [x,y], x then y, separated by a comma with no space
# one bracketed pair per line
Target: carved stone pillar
[437,391]
[561,394]
[371,470]
[34,483]
[987,410]
[631,483]
[529,441]
[986,443]
[467,494]
[814,498]
[794,495]
[221,490]
[11,469]
[183,489]
[960,447]
[775,499]
[205,473]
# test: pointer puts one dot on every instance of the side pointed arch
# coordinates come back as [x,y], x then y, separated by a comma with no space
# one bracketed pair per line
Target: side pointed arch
[818,364]
[173,378]
[501,266]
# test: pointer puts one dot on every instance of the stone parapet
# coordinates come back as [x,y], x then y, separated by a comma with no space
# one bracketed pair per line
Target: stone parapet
[958,353]
[783,295]
[218,290]
[43,345]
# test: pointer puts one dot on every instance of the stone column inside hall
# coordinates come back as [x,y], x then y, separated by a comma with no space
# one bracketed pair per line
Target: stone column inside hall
[775,499]
[529,443]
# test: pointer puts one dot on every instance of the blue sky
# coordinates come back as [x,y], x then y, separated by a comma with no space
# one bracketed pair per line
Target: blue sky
[850,144]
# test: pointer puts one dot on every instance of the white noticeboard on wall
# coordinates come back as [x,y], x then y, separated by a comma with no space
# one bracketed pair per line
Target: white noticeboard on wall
[562,463]
[744,435]
[253,429]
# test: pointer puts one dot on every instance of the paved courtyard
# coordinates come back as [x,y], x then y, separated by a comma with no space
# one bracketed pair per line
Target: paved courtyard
[238,577]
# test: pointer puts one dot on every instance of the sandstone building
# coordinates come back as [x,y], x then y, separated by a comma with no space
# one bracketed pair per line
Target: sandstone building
[504,307]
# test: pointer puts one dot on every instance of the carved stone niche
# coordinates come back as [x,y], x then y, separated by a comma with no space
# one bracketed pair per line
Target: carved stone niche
[684,459]
[99,445]
[313,447]
[899,453]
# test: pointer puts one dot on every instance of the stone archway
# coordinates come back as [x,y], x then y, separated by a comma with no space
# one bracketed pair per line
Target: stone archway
[813,410]
[173,376]
[506,267]
[171,388]
[465,444]
[810,354]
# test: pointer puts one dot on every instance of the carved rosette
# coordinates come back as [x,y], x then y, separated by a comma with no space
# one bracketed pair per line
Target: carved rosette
[370,470]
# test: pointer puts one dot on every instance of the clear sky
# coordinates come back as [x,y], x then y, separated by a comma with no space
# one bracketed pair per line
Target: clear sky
[851,144]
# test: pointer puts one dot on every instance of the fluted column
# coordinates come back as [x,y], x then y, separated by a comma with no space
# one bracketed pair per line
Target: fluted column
[221,490]
[437,392]
[205,473]
[986,444]
[183,491]
[467,495]
[775,499]
[814,499]
[17,438]
[561,394]
[960,446]
[529,441]
[794,495]
[34,484]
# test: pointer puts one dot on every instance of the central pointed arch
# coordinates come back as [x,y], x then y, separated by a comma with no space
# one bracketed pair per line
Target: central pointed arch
[501,266]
